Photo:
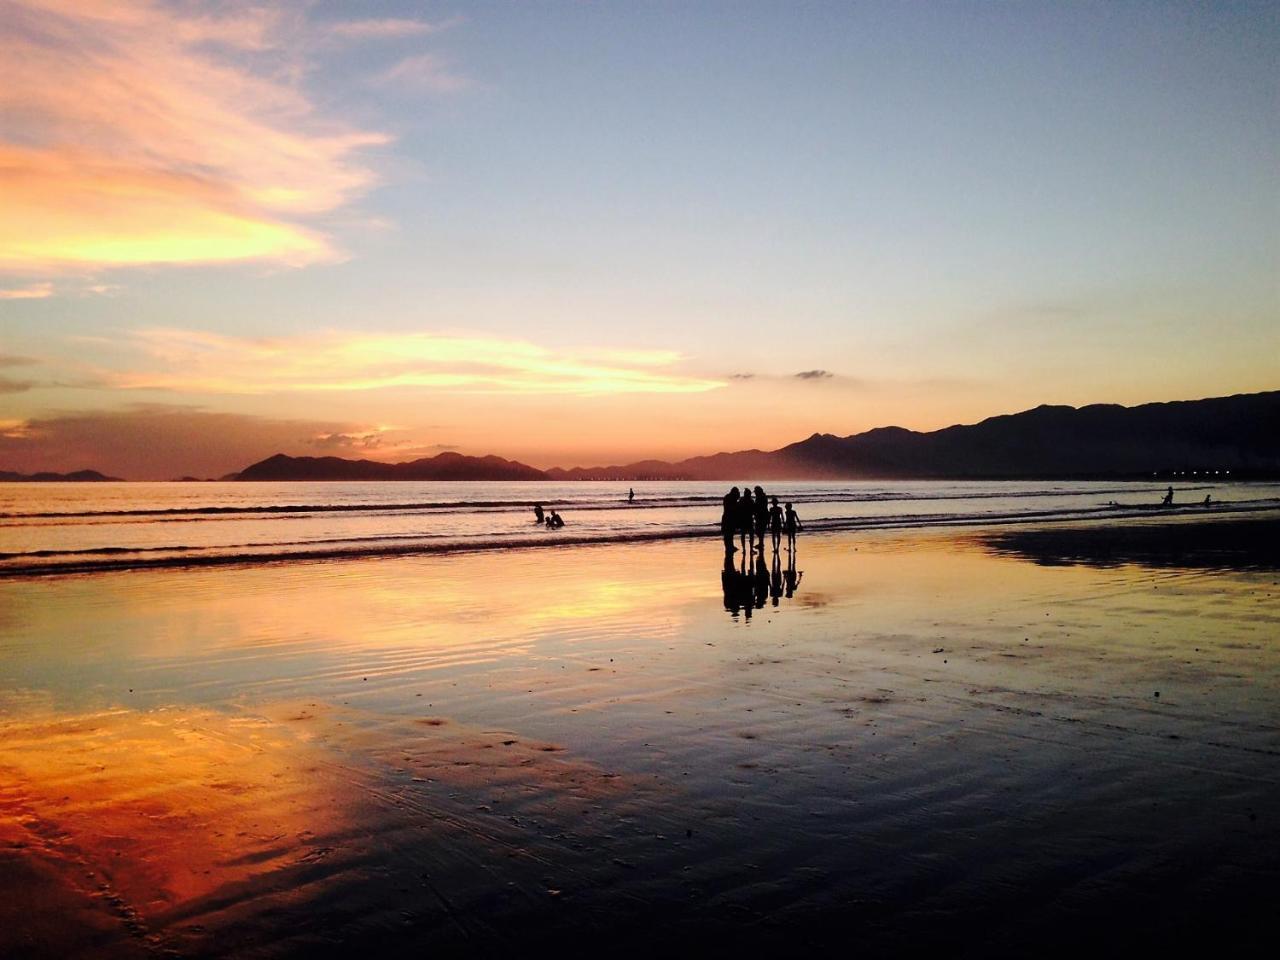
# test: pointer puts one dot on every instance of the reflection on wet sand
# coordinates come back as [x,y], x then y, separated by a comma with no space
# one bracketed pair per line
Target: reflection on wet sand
[1231,544]
[934,744]
[747,582]
[190,831]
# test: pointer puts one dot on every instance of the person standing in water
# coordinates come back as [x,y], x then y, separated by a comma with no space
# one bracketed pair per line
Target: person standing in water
[537,513]
[746,518]
[775,524]
[793,526]
[631,495]
[1168,498]
[729,520]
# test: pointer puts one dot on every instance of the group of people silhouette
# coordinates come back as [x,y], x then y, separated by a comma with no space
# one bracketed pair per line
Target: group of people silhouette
[552,520]
[750,517]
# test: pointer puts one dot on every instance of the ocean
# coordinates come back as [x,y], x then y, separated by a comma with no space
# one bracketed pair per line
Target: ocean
[83,527]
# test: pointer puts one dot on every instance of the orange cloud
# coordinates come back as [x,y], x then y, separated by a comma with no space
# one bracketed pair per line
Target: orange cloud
[135,134]
[216,364]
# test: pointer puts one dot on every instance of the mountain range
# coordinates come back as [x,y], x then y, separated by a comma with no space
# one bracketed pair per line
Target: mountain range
[1239,433]
[78,476]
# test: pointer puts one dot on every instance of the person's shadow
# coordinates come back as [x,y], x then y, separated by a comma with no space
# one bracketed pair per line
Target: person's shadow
[748,582]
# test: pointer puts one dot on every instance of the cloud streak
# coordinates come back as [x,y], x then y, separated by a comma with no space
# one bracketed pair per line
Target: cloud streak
[424,71]
[388,27]
[32,291]
[198,362]
[135,133]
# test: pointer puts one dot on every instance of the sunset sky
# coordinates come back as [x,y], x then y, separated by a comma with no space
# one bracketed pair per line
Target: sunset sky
[581,233]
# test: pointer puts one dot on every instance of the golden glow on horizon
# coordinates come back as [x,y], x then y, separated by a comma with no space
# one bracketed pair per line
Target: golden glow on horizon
[341,362]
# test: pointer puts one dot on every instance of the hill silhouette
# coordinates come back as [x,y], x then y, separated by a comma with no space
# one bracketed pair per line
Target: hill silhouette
[77,476]
[446,466]
[1239,433]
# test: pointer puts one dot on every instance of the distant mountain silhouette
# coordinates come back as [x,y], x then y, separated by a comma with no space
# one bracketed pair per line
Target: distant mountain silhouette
[1239,433]
[79,476]
[446,466]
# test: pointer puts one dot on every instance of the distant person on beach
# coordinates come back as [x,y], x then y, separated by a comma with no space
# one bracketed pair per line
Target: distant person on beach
[793,526]
[762,516]
[729,519]
[631,495]
[537,513]
[775,525]
[1168,498]
[1207,498]
[746,517]
[557,521]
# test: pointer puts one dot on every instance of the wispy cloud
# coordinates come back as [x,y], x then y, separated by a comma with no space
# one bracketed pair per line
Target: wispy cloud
[140,133]
[32,291]
[191,361]
[389,27]
[814,375]
[8,385]
[424,71]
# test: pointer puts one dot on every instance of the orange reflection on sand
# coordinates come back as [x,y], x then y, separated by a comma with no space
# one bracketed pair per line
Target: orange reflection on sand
[112,820]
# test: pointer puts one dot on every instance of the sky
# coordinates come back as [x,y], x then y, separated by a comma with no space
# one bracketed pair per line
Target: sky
[585,233]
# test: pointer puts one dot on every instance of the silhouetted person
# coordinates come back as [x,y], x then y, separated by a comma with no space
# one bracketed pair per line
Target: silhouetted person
[746,517]
[775,525]
[631,495]
[793,527]
[537,513]
[555,521]
[762,515]
[1207,498]
[729,519]
[1168,498]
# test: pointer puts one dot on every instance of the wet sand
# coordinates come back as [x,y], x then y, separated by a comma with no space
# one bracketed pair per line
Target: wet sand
[983,741]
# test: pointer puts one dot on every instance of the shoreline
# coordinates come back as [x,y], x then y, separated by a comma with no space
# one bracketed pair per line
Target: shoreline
[1103,517]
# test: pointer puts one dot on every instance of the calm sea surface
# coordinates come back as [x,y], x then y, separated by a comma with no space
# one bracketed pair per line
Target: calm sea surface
[89,526]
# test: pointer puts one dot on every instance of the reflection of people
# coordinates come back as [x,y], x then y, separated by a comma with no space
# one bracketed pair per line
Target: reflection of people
[793,576]
[793,525]
[760,581]
[729,519]
[729,582]
[775,578]
[1168,498]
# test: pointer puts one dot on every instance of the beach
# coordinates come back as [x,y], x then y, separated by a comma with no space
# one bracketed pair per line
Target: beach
[985,739]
